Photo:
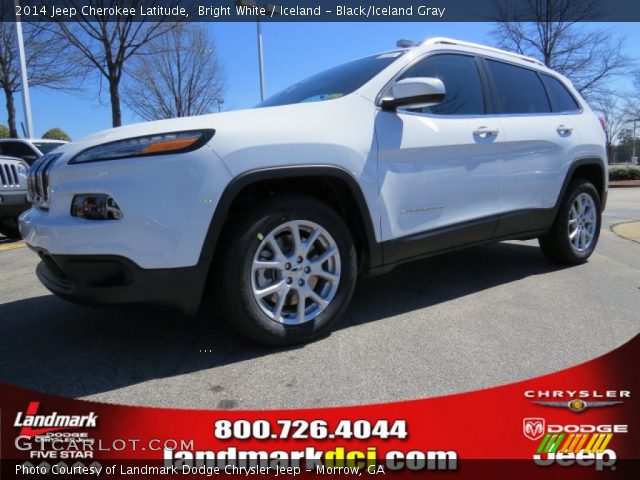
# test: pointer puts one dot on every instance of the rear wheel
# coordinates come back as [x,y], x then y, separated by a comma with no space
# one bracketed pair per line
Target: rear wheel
[289,270]
[9,227]
[576,230]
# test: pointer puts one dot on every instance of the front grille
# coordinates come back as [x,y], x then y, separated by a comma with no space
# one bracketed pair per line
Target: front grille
[38,180]
[9,175]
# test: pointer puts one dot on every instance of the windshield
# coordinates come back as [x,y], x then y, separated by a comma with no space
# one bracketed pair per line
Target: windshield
[335,82]
[46,147]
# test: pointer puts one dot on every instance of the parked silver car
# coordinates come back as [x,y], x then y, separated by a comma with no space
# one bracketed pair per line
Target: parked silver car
[13,194]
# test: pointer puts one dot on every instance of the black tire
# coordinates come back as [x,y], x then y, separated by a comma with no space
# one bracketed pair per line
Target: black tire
[9,228]
[556,244]
[236,254]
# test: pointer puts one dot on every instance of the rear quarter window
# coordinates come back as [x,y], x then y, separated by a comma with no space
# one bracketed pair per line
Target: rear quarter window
[561,99]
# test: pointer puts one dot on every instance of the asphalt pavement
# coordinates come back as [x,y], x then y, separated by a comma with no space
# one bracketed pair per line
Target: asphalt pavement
[472,319]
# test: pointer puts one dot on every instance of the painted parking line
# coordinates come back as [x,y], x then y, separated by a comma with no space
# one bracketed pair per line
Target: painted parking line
[11,246]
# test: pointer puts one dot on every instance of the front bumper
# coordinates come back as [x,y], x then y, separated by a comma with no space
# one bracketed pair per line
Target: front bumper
[12,204]
[114,280]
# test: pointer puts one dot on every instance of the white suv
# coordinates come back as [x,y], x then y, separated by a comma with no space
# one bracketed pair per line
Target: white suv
[386,159]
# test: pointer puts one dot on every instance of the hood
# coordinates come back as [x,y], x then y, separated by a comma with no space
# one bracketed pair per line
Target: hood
[239,127]
[216,121]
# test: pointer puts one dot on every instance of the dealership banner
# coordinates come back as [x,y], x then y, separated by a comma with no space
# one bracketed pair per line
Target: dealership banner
[318,10]
[582,422]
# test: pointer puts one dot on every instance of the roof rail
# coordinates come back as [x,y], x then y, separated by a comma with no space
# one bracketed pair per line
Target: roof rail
[452,41]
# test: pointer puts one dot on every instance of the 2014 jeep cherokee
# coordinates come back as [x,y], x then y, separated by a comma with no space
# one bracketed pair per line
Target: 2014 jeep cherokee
[385,159]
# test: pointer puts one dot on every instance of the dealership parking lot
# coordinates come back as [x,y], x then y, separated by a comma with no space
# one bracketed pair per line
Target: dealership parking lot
[464,321]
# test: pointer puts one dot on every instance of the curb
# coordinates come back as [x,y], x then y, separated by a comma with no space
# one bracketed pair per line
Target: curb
[4,247]
[629,230]
[613,185]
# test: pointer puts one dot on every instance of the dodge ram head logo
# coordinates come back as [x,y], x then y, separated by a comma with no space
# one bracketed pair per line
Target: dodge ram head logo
[533,428]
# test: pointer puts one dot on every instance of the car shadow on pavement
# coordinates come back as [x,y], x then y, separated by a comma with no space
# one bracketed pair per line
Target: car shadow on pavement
[55,347]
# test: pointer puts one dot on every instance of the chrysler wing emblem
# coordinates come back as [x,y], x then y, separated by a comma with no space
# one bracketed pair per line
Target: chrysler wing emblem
[577,405]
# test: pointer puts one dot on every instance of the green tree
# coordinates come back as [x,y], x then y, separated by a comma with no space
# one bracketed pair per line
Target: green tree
[4,131]
[624,148]
[56,134]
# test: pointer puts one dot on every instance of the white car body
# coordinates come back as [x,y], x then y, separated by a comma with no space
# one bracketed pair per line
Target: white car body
[420,176]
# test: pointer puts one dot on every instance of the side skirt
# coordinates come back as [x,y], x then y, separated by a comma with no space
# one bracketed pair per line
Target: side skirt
[518,225]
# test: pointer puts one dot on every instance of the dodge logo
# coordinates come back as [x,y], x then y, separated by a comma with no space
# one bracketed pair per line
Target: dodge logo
[533,428]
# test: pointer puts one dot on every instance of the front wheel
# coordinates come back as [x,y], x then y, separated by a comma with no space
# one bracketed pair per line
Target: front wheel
[575,232]
[290,269]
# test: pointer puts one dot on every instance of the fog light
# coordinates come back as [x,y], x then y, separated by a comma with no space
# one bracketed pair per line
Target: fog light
[95,206]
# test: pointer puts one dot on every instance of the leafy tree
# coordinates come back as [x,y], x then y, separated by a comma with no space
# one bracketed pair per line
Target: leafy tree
[56,134]
[4,131]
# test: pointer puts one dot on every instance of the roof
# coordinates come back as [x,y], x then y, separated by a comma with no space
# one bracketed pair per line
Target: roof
[453,41]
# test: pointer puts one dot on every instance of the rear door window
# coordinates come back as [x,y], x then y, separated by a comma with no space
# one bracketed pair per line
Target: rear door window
[519,90]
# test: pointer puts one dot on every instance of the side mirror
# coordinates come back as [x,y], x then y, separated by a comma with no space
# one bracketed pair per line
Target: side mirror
[414,93]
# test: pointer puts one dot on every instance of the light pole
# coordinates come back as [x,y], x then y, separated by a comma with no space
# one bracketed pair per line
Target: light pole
[269,10]
[633,140]
[261,57]
[24,81]
[219,101]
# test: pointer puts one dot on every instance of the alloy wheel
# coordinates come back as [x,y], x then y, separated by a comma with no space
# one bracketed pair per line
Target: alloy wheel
[295,272]
[581,227]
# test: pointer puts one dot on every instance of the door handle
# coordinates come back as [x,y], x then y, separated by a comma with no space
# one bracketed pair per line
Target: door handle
[485,132]
[564,129]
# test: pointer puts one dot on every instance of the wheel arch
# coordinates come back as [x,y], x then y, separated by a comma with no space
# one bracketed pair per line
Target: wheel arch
[330,183]
[590,168]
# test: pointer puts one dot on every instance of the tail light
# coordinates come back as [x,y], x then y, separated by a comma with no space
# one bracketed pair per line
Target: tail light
[603,124]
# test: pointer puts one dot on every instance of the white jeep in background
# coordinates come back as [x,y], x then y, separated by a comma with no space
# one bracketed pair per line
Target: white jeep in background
[28,149]
[13,194]
[383,160]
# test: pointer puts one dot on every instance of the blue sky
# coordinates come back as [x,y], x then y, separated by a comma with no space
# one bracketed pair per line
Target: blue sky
[292,51]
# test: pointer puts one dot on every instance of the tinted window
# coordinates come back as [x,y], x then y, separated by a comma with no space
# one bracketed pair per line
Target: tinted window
[519,90]
[461,79]
[335,82]
[17,149]
[563,101]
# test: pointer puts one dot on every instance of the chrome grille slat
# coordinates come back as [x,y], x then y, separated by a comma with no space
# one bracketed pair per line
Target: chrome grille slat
[14,171]
[9,175]
[38,180]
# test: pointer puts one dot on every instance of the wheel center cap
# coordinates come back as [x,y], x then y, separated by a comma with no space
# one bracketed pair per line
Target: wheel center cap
[296,271]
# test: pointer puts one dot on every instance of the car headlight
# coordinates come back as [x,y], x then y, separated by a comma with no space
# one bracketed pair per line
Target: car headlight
[159,144]
[23,168]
